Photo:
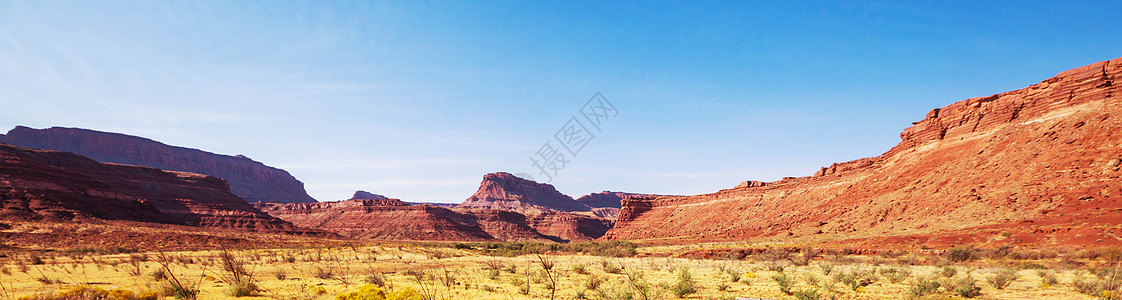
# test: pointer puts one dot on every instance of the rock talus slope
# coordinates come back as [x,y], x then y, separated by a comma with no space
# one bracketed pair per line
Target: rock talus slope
[250,180]
[62,186]
[1039,165]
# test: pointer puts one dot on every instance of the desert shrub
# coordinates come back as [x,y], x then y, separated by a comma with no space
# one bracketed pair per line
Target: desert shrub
[811,279]
[280,274]
[922,287]
[785,283]
[826,268]
[895,275]
[644,289]
[1047,277]
[593,282]
[854,280]
[579,269]
[612,269]
[173,286]
[1111,278]
[807,294]
[239,279]
[241,289]
[949,271]
[376,279]
[1002,278]
[159,274]
[722,286]
[493,274]
[775,266]
[684,285]
[1027,265]
[322,272]
[34,259]
[1089,286]
[494,264]
[965,287]
[961,254]
[806,255]
[734,274]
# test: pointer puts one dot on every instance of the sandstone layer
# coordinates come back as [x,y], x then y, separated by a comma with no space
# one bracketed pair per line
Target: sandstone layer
[249,179]
[1035,166]
[43,185]
[392,219]
[607,204]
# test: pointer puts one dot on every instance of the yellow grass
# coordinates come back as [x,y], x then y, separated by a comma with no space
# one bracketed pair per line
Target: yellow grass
[446,273]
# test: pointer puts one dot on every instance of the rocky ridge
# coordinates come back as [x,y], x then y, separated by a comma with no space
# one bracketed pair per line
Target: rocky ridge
[249,179]
[1035,166]
[43,185]
[504,191]
[392,219]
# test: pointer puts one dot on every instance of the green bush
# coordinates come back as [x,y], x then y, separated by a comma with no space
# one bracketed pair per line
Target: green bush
[785,283]
[922,287]
[1002,278]
[967,287]
[684,285]
[807,294]
[961,254]
[895,275]
[241,289]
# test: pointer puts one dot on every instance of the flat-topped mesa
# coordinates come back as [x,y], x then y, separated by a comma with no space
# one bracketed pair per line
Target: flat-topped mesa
[249,179]
[504,191]
[367,195]
[337,205]
[63,186]
[1035,163]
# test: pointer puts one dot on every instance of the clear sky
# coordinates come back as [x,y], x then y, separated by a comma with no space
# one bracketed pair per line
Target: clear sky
[417,100]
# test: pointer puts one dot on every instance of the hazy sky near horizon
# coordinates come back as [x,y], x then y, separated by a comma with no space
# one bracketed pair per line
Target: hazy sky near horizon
[417,100]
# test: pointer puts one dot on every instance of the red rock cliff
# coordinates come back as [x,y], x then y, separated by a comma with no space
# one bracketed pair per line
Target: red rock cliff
[392,219]
[250,180]
[504,191]
[1039,165]
[62,186]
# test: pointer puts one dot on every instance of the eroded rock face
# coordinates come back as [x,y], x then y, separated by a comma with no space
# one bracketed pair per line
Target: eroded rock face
[62,186]
[504,191]
[250,180]
[607,204]
[1031,166]
[392,219]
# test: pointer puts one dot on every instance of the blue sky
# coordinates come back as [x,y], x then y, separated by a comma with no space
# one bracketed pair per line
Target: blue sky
[417,100]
